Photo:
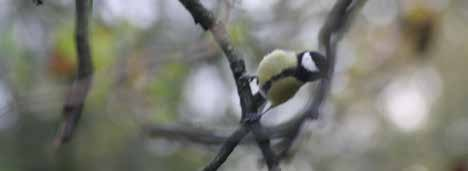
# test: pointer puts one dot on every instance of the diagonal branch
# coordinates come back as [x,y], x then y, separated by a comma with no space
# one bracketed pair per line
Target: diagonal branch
[207,21]
[264,144]
[227,148]
[79,89]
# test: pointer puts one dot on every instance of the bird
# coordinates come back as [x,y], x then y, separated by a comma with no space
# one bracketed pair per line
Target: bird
[281,73]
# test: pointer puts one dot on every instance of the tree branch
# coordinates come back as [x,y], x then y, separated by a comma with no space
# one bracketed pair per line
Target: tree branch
[330,34]
[248,106]
[227,148]
[207,21]
[37,2]
[209,137]
[264,143]
[194,135]
[79,89]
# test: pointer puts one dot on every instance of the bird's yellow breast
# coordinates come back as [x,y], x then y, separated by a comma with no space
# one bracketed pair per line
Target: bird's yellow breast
[283,90]
[273,64]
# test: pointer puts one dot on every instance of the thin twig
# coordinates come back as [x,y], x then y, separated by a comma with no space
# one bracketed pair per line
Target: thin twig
[194,135]
[210,137]
[79,89]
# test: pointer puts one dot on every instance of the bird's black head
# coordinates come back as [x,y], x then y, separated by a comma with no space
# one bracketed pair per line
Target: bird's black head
[310,66]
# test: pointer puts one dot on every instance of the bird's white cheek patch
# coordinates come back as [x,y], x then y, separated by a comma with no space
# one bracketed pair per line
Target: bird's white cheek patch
[308,63]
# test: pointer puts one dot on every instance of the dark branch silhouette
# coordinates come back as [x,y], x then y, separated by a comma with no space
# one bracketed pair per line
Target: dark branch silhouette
[37,2]
[227,148]
[76,95]
[330,34]
[194,135]
[207,21]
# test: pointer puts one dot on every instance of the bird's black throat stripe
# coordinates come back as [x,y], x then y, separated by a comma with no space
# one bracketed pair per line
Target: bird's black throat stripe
[300,74]
[290,72]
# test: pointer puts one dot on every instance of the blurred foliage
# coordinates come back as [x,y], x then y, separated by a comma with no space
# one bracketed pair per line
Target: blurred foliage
[63,62]
[160,89]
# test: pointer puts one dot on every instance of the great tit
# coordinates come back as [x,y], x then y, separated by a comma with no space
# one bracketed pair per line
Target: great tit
[281,73]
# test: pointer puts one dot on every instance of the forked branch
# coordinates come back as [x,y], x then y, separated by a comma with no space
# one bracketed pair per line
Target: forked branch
[333,29]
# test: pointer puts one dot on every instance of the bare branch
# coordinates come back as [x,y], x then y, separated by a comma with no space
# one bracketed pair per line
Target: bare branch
[210,137]
[265,146]
[37,2]
[331,32]
[226,149]
[248,105]
[206,20]
[79,89]
[194,135]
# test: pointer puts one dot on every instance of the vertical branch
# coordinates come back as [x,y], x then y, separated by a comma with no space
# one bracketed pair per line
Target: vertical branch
[85,64]
[336,24]
[330,34]
[327,40]
[76,95]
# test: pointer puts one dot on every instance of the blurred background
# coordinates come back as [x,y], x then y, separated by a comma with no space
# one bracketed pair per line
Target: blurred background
[399,98]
